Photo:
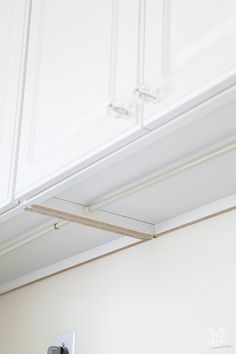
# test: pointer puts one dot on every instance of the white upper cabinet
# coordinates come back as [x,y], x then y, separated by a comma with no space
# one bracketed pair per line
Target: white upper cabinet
[99,72]
[82,59]
[12,13]
[188,47]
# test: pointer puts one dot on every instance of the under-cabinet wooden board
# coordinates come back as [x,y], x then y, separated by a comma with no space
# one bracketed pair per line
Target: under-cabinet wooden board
[34,246]
[51,252]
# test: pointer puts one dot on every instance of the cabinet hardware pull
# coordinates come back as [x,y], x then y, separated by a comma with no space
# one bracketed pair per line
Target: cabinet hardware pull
[117,112]
[144,95]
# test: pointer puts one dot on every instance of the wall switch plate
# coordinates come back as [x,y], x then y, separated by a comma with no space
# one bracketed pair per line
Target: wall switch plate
[66,338]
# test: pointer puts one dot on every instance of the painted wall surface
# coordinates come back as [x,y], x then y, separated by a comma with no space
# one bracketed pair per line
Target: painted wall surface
[159,297]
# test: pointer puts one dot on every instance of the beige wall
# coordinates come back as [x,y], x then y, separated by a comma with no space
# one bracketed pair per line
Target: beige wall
[158,297]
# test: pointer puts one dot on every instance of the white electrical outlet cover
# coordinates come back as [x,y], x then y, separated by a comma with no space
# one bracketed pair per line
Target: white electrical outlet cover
[68,339]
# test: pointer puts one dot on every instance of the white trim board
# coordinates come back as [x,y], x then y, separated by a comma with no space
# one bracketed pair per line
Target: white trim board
[68,263]
[196,215]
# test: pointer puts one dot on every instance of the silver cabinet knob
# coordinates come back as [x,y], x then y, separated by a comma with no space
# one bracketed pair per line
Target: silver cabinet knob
[117,112]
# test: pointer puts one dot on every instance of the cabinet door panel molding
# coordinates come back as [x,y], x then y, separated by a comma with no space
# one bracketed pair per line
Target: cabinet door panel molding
[13,22]
[194,48]
[82,60]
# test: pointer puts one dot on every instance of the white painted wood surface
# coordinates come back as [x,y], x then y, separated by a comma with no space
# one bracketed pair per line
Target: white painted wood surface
[82,57]
[12,16]
[189,46]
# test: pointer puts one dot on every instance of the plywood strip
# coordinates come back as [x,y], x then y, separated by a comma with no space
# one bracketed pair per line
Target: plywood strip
[223,211]
[83,220]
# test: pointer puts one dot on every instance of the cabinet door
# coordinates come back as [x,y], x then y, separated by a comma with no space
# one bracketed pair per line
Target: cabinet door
[81,73]
[11,38]
[189,47]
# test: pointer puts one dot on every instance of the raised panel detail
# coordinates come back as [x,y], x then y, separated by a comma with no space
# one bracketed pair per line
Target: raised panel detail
[195,48]
[196,28]
[82,57]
